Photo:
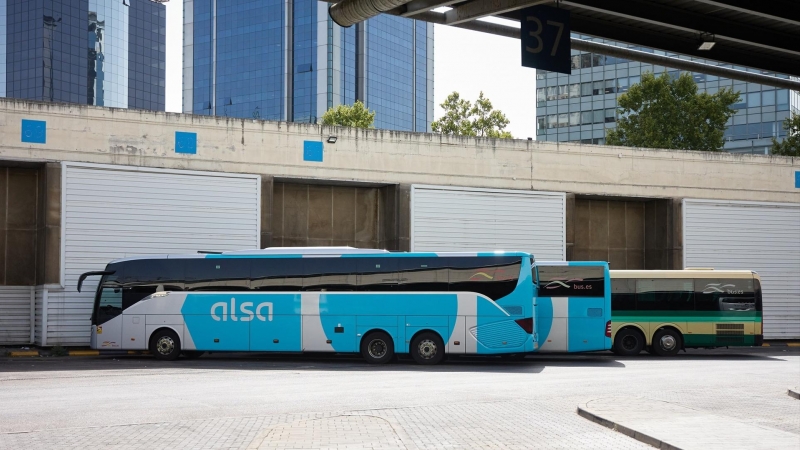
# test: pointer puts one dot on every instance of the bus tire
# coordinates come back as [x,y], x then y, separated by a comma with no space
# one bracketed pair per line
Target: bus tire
[377,348]
[628,342]
[427,348]
[192,354]
[165,345]
[667,342]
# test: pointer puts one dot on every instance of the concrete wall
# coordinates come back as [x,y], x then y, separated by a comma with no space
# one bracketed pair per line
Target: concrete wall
[143,138]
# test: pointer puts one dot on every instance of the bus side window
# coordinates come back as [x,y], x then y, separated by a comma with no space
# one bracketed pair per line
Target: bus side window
[428,274]
[330,274]
[716,294]
[623,294]
[276,274]
[110,304]
[217,274]
[571,281]
[664,294]
[377,274]
[494,277]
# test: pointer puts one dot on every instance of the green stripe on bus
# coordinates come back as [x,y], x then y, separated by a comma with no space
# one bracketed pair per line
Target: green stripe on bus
[685,316]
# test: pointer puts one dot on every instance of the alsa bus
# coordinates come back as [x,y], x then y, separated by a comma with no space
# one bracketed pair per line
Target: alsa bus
[572,304]
[664,311]
[319,300]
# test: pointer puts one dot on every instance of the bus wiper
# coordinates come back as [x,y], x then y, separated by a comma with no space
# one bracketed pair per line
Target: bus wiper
[91,274]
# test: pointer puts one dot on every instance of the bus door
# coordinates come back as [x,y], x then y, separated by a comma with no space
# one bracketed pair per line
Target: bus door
[573,306]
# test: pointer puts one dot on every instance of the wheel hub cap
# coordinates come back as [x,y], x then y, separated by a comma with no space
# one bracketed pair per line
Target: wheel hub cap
[377,348]
[427,349]
[165,345]
[668,342]
[629,342]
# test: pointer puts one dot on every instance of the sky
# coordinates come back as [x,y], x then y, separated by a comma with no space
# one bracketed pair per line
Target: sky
[464,61]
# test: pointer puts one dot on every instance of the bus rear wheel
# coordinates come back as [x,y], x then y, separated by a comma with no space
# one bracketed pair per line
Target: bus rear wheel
[628,342]
[666,342]
[377,348]
[165,345]
[427,348]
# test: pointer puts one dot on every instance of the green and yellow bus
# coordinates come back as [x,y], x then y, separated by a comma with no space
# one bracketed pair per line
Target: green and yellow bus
[664,311]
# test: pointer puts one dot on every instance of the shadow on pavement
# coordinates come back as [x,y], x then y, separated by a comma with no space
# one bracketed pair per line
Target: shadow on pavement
[534,363]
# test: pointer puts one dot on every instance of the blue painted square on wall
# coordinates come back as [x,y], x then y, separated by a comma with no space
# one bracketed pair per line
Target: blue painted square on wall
[797,179]
[312,151]
[34,131]
[185,142]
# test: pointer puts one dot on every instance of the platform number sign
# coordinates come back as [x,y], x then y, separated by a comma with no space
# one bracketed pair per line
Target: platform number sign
[545,38]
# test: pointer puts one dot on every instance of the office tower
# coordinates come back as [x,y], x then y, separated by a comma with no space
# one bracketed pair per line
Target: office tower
[97,52]
[287,60]
[581,106]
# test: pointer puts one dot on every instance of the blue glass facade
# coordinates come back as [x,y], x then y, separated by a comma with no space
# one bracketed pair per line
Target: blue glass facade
[78,51]
[581,106]
[287,60]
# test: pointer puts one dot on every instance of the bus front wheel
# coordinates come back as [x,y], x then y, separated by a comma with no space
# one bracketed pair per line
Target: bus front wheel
[628,342]
[377,348]
[427,348]
[165,345]
[667,342]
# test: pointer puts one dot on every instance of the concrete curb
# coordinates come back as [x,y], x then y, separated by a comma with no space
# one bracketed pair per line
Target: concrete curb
[641,437]
[23,353]
[32,353]
[794,393]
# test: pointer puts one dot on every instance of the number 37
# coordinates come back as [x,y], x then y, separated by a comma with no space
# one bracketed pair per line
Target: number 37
[536,34]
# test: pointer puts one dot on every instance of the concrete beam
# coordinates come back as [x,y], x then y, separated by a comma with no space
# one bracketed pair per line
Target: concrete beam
[480,8]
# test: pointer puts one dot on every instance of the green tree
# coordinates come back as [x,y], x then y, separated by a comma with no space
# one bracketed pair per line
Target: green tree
[791,145]
[462,118]
[661,112]
[357,116]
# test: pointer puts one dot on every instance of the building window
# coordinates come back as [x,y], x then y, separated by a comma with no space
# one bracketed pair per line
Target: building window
[598,116]
[611,115]
[586,60]
[597,88]
[586,89]
[575,62]
[575,90]
[586,118]
[609,88]
[540,95]
[574,118]
[541,122]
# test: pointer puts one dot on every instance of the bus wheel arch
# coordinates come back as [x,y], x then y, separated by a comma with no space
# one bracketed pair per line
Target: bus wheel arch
[667,341]
[165,344]
[427,347]
[377,346]
[629,340]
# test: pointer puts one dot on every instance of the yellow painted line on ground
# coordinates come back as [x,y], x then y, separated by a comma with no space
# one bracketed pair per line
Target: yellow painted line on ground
[83,353]
[765,345]
[24,353]
[793,344]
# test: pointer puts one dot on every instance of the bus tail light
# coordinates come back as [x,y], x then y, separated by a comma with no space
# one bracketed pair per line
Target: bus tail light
[608,329]
[526,324]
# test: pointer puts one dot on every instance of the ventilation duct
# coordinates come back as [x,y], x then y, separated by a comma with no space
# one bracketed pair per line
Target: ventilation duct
[351,12]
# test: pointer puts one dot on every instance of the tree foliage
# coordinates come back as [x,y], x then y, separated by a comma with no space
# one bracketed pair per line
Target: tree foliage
[462,118]
[357,116]
[791,145]
[661,112]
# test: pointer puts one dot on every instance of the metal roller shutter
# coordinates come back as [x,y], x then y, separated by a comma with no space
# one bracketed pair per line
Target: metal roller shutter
[764,237]
[15,314]
[111,212]
[447,218]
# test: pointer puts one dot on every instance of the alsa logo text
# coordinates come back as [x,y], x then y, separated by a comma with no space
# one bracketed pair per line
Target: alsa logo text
[245,308]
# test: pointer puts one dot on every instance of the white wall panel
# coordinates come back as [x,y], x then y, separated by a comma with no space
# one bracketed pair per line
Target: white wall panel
[446,218]
[764,237]
[15,314]
[111,212]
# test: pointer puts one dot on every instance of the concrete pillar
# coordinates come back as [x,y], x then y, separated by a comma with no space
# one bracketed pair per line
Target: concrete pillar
[570,225]
[267,188]
[677,234]
[48,261]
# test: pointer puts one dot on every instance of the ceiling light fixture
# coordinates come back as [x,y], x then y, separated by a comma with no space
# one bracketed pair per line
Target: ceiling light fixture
[332,139]
[706,42]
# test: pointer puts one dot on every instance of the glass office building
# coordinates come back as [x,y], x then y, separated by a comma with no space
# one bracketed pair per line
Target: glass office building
[97,52]
[581,106]
[287,60]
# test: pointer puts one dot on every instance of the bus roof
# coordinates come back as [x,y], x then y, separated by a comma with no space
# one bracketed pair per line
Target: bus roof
[686,273]
[319,252]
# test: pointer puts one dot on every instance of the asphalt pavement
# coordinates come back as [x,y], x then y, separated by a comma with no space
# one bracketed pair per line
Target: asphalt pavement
[330,401]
